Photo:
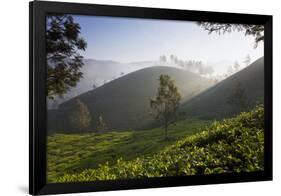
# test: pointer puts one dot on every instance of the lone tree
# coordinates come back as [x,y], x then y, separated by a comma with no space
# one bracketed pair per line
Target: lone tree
[63,43]
[163,59]
[236,66]
[238,99]
[101,124]
[80,117]
[247,60]
[166,102]
[257,31]
[230,70]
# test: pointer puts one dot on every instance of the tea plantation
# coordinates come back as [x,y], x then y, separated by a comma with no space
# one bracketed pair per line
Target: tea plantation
[232,145]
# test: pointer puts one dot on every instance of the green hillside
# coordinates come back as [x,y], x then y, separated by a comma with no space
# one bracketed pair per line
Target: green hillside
[212,103]
[233,145]
[69,153]
[124,103]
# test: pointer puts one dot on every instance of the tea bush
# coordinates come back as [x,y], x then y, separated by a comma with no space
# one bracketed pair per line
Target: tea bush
[232,145]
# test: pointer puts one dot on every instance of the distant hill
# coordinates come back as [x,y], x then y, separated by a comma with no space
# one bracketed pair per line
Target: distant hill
[212,103]
[98,73]
[124,102]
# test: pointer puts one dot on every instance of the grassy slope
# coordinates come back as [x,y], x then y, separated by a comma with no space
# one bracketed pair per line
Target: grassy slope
[212,103]
[124,102]
[69,153]
[233,145]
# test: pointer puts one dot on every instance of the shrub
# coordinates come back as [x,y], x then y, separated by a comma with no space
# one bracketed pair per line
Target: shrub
[233,145]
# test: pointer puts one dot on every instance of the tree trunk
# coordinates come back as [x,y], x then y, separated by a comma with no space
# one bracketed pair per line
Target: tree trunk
[166,135]
[166,125]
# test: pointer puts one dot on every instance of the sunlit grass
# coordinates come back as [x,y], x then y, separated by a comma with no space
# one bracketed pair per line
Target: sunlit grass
[71,153]
[233,145]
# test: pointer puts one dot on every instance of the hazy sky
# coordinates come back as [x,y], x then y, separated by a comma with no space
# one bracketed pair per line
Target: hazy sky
[130,39]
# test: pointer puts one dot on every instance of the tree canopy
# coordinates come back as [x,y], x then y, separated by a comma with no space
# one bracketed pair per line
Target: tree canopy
[80,117]
[101,124]
[63,43]
[166,102]
[238,99]
[221,28]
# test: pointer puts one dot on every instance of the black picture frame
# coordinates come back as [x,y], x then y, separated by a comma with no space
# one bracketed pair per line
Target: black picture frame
[37,108]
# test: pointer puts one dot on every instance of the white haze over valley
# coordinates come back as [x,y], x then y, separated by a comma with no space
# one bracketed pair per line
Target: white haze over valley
[96,73]
[118,46]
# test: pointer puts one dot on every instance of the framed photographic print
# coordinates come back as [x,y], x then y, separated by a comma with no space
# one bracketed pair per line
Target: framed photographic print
[131,97]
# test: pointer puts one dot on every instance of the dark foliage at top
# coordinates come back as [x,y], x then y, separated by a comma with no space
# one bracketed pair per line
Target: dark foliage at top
[63,44]
[221,28]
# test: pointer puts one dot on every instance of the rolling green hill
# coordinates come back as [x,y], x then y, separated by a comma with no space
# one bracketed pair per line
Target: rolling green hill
[124,102]
[232,145]
[97,72]
[212,103]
